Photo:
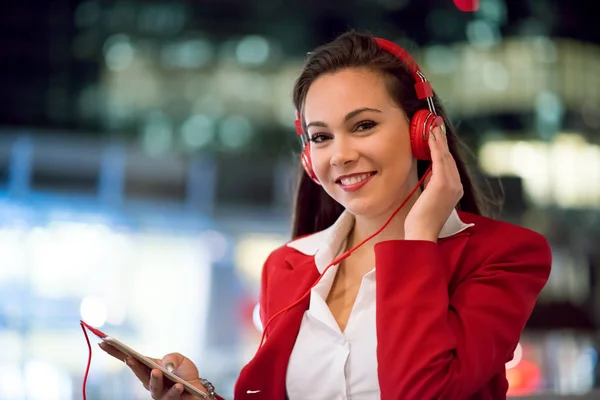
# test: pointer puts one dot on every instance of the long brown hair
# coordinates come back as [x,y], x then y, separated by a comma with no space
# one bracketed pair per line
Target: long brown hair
[314,209]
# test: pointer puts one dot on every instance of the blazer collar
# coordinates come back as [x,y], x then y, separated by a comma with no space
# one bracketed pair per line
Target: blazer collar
[328,243]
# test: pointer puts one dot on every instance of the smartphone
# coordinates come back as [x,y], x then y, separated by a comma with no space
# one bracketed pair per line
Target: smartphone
[152,365]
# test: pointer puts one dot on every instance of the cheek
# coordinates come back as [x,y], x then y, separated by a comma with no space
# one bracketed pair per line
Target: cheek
[401,163]
[320,160]
[393,155]
[397,164]
[320,163]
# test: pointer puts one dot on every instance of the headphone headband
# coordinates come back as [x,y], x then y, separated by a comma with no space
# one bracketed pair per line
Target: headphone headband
[400,53]
[422,85]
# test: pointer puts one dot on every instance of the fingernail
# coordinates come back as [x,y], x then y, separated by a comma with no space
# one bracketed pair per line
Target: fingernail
[443,128]
[179,388]
[432,136]
[170,367]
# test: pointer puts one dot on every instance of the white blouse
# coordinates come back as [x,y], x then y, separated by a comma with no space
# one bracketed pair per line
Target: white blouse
[326,363]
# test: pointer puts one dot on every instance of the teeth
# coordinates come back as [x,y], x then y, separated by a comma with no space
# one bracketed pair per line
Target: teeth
[354,179]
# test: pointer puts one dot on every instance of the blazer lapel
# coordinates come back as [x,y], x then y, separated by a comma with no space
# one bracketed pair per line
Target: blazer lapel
[264,376]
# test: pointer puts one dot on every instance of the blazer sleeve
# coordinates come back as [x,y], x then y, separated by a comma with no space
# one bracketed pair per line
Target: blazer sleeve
[435,346]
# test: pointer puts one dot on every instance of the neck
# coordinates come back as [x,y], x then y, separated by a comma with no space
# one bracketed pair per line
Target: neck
[365,226]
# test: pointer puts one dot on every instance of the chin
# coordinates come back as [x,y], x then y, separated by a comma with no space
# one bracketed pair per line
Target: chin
[362,207]
[369,206]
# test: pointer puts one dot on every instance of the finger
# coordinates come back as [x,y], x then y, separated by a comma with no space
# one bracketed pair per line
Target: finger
[174,362]
[174,393]
[436,149]
[112,351]
[171,362]
[440,132]
[443,129]
[444,161]
[141,371]
[445,134]
[156,384]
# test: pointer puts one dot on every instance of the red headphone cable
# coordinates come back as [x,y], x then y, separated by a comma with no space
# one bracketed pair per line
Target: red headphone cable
[345,255]
[101,335]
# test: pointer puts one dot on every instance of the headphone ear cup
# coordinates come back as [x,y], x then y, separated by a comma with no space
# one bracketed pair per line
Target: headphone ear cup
[307,164]
[420,126]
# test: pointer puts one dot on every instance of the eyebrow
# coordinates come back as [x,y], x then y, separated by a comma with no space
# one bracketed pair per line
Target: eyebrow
[348,116]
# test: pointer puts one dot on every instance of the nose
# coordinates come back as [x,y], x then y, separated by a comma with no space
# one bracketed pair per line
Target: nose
[344,152]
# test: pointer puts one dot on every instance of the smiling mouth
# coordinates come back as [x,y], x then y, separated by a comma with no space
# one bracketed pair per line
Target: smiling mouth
[354,179]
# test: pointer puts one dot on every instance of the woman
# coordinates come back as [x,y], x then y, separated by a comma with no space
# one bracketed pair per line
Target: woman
[431,307]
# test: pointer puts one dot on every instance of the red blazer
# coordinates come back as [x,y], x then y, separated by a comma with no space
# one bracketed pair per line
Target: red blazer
[448,315]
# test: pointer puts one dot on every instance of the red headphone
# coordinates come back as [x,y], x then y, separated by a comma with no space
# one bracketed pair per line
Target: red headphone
[422,122]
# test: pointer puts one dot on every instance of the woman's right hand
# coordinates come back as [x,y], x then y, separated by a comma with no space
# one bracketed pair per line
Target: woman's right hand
[162,389]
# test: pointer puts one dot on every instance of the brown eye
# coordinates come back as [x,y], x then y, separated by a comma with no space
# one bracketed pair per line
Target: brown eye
[318,138]
[365,125]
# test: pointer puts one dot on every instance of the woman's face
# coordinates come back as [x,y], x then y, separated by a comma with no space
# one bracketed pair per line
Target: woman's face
[360,144]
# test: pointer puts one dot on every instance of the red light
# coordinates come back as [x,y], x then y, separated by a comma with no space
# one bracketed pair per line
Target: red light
[523,379]
[467,5]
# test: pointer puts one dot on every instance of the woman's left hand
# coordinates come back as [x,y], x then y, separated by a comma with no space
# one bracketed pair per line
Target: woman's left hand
[443,190]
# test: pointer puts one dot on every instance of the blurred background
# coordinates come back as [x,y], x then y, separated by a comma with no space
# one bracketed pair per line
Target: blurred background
[148,159]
